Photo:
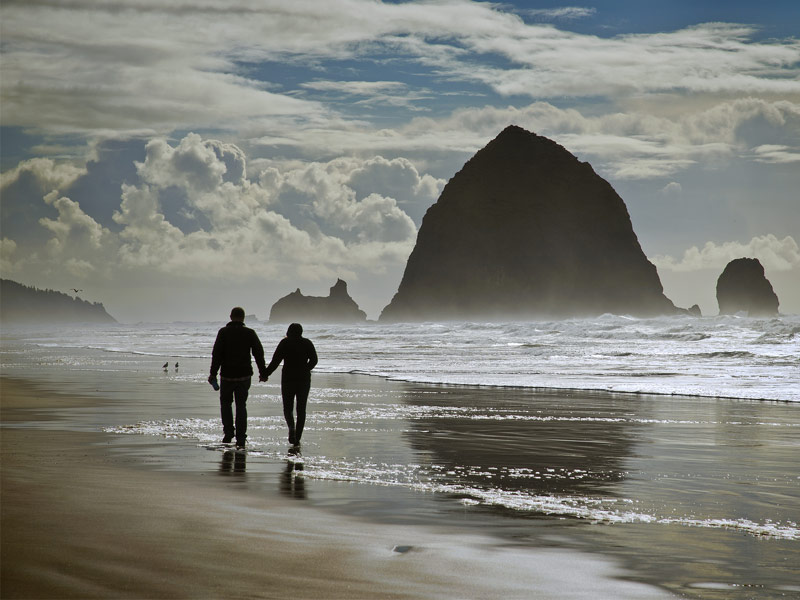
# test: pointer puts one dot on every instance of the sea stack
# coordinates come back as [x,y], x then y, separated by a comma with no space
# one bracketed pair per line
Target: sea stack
[337,307]
[526,230]
[743,286]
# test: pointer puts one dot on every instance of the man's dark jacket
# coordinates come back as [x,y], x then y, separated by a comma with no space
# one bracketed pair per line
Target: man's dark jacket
[298,355]
[232,350]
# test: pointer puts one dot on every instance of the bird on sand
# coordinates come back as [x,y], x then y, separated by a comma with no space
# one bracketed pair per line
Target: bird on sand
[166,366]
[176,366]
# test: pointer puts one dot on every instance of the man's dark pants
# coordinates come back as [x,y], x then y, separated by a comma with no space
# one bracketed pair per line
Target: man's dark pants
[230,391]
[291,389]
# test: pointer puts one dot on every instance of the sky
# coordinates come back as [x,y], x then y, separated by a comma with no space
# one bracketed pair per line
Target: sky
[175,159]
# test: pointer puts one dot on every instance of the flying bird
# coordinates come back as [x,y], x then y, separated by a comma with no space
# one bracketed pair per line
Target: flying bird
[76,290]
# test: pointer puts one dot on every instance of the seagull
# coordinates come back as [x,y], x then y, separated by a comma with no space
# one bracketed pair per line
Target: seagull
[76,290]
[176,366]
[166,365]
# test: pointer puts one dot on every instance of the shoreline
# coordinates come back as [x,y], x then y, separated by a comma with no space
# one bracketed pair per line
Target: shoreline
[556,391]
[79,521]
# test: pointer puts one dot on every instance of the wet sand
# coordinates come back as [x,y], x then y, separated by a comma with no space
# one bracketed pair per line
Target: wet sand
[82,521]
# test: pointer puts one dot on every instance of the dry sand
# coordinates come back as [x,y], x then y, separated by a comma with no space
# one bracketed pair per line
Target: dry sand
[79,521]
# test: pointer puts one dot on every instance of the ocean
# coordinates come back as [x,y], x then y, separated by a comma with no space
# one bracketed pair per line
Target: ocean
[669,443]
[714,357]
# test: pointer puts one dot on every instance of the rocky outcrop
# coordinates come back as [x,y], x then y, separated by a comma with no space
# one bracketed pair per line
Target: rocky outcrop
[338,307]
[525,229]
[20,304]
[742,286]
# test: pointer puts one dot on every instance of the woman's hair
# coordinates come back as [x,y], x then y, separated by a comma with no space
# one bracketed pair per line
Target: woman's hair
[295,330]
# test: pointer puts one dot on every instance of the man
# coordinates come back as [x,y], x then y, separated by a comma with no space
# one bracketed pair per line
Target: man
[232,350]
[299,356]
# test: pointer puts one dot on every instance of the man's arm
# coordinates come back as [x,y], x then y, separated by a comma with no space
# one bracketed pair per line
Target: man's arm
[216,356]
[258,353]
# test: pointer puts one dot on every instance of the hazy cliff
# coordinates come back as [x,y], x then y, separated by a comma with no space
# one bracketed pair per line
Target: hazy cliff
[22,304]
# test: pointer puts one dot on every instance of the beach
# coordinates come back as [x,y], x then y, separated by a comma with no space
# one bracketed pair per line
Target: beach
[79,521]
[115,482]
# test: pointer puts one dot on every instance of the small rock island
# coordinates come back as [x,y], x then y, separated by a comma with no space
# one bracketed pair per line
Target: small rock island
[337,307]
[743,286]
[526,230]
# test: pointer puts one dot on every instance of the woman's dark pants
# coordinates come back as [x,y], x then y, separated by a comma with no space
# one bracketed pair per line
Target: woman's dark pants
[230,391]
[291,390]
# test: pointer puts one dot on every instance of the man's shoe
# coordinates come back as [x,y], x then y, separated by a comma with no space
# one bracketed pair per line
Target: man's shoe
[227,439]
[240,443]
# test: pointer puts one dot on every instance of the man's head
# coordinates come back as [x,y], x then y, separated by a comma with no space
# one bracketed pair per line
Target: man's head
[237,313]
[295,330]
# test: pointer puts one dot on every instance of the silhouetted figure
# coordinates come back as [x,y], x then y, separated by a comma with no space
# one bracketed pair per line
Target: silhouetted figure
[299,356]
[231,352]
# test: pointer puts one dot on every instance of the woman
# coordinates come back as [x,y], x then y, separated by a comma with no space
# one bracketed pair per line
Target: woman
[299,356]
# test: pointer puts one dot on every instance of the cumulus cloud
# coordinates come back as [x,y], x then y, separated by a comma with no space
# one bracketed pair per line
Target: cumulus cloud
[775,254]
[73,226]
[75,235]
[244,234]
[47,173]
[195,163]
[396,178]
[672,189]
[325,188]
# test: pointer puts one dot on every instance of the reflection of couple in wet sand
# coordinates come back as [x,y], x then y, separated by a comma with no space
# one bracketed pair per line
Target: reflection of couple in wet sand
[231,355]
[234,463]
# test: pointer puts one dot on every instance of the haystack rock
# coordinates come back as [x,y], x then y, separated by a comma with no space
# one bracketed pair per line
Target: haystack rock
[744,287]
[338,307]
[526,230]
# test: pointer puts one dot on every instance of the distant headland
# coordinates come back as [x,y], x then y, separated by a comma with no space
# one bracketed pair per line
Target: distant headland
[26,305]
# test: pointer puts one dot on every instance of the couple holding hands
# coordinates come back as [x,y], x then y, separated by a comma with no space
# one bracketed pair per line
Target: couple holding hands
[232,349]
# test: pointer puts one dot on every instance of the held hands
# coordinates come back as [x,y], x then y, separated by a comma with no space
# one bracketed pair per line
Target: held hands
[212,379]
